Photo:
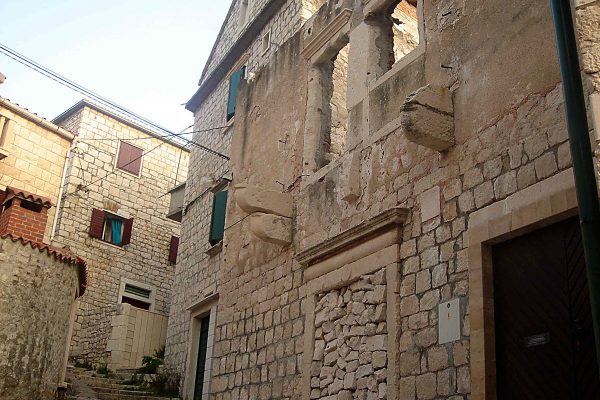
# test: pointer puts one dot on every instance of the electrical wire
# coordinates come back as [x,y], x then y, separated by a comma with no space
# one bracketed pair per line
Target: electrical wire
[114,107]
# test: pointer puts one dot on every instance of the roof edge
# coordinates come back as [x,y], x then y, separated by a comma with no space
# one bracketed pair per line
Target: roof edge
[243,42]
[43,122]
[60,255]
[86,103]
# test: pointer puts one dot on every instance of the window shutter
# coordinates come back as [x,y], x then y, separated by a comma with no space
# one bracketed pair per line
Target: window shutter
[234,83]
[130,158]
[127,228]
[217,223]
[173,248]
[97,223]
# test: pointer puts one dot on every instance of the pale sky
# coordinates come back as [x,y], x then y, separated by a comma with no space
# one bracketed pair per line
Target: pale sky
[145,55]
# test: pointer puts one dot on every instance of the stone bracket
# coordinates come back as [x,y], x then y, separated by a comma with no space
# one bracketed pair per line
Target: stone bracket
[427,118]
[253,199]
[270,213]
[271,228]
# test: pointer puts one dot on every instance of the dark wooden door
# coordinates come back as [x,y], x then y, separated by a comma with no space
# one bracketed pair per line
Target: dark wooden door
[544,336]
[201,360]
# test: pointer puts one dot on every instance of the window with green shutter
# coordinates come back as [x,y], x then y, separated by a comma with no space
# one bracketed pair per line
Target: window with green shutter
[217,223]
[234,84]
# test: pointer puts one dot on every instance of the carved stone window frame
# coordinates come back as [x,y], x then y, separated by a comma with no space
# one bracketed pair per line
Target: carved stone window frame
[542,204]
[344,259]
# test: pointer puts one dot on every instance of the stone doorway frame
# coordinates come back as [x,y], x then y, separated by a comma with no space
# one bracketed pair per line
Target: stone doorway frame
[542,204]
[207,306]
[343,259]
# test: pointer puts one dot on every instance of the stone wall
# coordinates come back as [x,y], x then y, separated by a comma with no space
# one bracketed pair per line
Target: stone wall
[350,355]
[37,156]
[509,134]
[94,182]
[37,294]
[197,272]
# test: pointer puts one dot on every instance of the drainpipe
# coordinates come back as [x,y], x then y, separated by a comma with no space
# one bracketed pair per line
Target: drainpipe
[581,153]
[59,201]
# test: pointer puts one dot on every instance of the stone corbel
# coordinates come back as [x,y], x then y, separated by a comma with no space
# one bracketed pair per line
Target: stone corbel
[427,118]
[270,213]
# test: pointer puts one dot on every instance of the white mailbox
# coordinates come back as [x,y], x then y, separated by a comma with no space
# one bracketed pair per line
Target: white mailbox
[449,321]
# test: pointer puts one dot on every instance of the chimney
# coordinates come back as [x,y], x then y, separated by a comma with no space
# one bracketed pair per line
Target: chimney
[24,215]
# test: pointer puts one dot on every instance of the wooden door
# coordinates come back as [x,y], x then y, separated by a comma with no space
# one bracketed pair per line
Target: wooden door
[544,336]
[201,360]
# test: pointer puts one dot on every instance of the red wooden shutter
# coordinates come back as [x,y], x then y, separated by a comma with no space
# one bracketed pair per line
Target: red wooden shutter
[130,158]
[127,231]
[97,223]
[173,248]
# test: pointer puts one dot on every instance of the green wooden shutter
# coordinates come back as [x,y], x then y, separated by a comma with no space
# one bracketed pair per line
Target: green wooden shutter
[217,223]
[234,83]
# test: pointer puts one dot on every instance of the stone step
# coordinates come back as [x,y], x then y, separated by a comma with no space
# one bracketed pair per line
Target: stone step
[126,392]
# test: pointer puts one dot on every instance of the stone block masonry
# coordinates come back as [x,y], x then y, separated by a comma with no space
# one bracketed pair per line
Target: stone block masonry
[288,328]
[350,349]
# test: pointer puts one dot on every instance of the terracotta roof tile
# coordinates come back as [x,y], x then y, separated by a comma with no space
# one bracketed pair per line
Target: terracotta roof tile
[22,194]
[62,255]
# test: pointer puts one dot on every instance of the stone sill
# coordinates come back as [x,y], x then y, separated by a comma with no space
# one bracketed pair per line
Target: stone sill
[214,250]
[3,153]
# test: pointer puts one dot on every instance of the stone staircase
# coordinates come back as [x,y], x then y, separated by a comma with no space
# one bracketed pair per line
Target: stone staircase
[114,387]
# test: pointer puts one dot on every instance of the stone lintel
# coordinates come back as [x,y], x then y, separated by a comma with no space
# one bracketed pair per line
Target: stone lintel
[327,33]
[376,226]
[427,118]
[252,199]
[271,228]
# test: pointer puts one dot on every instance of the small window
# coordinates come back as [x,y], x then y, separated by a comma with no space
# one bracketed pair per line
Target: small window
[234,84]
[266,42]
[217,223]
[137,296]
[130,158]
[111,228]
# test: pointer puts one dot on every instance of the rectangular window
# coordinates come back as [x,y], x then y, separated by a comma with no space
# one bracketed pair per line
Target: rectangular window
[130,158]
[266,42]
[137,296]
[217,223]
[234,83]
[111,228]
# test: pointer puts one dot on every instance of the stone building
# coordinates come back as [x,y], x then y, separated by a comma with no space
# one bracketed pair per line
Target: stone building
[33,154]
[397,219]
[39,283]
[113,213]
[39,287]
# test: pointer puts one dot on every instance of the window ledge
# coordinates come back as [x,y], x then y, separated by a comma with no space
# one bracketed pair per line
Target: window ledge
[214,250]
[124,247]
